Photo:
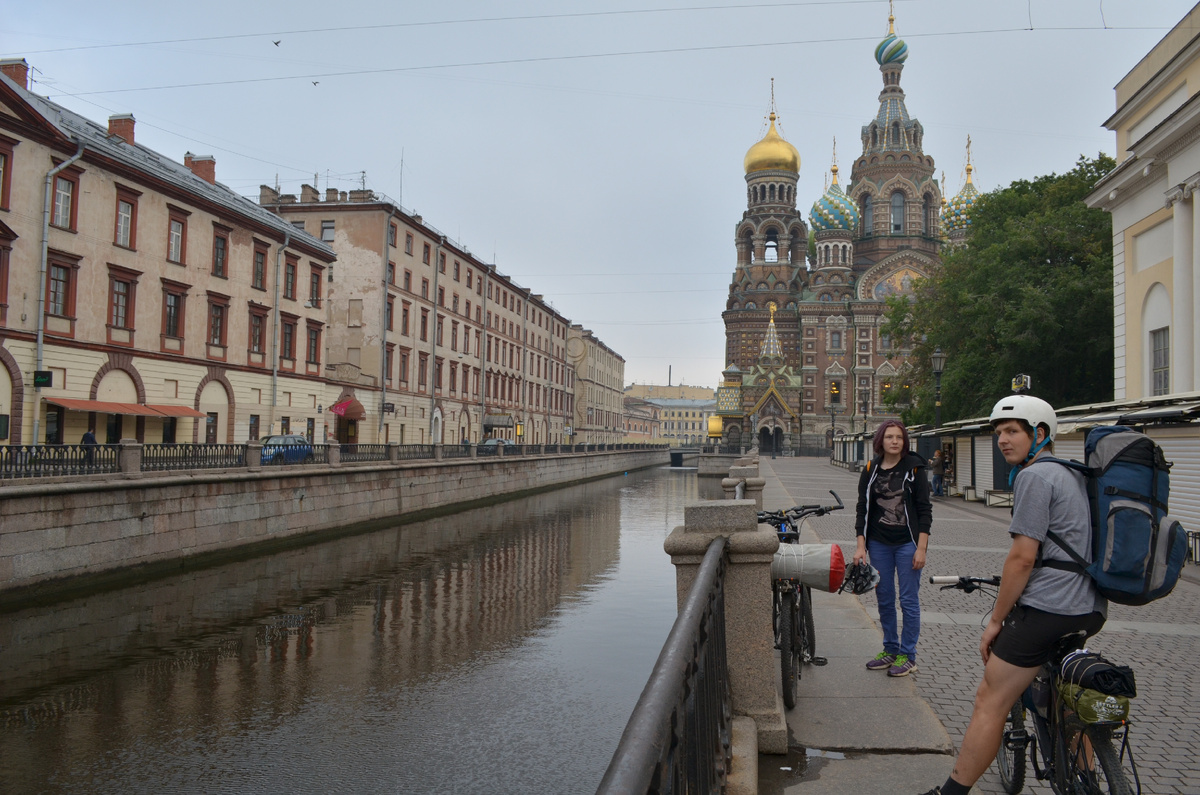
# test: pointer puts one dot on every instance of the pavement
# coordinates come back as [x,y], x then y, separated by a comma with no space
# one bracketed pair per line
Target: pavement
[855,730]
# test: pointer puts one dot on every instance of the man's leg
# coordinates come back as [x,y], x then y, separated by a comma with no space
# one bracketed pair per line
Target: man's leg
[1003,683]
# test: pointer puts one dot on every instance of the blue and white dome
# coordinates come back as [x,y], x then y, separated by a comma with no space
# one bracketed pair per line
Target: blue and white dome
[957,214]
[834,210]
[892,49]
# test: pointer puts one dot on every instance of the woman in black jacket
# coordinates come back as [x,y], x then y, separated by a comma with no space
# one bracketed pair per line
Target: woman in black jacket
[892,526]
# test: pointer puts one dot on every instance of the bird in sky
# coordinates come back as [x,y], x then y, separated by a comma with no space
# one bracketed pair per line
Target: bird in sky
[276,43]
[316,81]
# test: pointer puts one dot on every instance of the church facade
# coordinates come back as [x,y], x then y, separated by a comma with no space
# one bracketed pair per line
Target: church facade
[805,357]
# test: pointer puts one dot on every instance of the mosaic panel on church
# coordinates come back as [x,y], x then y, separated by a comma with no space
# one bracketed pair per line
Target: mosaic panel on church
[898,282]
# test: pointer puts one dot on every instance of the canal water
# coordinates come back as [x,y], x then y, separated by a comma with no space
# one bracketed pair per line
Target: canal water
[498,650]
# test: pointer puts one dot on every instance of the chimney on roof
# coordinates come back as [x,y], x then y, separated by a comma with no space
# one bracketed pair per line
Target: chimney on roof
[331,194]
[309,194]
[121,125]
[16,70]
[203,166]
[267,195]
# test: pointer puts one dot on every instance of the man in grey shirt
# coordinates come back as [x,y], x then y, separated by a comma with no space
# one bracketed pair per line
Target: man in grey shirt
[1036,606]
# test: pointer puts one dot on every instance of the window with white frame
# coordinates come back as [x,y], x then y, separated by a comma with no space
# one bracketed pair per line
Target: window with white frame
[1160,366]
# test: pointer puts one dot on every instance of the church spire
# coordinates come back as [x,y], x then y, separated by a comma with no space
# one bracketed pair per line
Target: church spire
[772,349]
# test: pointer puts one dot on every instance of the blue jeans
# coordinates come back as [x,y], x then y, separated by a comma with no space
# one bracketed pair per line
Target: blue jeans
[895,562]
[937,486]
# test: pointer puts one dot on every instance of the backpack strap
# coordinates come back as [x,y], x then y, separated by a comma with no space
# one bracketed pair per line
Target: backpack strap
[1077,563]
[1151,499]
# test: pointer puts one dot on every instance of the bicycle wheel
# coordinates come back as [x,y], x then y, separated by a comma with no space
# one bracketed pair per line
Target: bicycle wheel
[1010,759]
[789,661]
[810,629]
[1109,763]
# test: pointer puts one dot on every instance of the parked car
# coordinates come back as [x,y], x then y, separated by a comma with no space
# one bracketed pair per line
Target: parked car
[494,442]
[291,448]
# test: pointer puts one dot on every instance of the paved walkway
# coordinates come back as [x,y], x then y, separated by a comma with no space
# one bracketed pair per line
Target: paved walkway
[859,731]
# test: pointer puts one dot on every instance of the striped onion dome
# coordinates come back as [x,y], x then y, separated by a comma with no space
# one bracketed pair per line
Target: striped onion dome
[892,49]
[834,210]
[957,213]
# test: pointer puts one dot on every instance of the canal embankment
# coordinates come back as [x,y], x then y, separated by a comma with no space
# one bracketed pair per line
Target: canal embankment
[64,537]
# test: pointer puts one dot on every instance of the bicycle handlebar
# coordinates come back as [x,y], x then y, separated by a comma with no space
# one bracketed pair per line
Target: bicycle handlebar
[965,584]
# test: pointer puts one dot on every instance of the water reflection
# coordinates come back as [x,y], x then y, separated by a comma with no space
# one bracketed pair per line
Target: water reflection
[371,663]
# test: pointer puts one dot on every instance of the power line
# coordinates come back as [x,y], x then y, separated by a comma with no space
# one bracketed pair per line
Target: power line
[592,56]
[434,23]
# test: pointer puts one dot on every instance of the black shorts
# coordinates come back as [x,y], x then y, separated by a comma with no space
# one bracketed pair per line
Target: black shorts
[1029,637]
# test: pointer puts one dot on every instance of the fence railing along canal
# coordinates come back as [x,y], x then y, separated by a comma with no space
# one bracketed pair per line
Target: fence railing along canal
[679,738]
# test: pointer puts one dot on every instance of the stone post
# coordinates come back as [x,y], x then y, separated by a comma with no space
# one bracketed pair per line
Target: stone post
[749,636]
[754,484]
[333,455]
[254,456]
[393,452]
[472,450]
[437,452]
[129,457]
[500,450]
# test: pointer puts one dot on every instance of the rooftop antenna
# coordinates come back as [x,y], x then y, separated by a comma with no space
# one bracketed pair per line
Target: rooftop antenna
[363,179]
[277,182]
[401,178]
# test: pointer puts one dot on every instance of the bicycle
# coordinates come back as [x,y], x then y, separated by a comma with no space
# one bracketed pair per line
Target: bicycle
[791,612]
[1067,746]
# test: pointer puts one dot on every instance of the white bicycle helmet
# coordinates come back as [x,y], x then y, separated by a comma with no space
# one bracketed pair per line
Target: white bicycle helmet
[1032,410]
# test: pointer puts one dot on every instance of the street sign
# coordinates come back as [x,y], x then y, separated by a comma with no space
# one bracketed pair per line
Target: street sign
[389,408]
[43,379]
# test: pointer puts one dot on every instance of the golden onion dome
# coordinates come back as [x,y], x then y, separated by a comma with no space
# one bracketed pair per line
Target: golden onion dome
[772,153]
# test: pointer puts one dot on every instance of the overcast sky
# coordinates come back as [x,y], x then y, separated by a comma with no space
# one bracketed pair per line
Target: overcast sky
[593,150]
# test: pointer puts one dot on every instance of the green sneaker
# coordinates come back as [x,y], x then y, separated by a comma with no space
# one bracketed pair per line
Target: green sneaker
[903,666]
[881,662]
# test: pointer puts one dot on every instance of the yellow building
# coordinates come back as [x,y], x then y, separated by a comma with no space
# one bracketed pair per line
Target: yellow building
[599,397]
[150,301]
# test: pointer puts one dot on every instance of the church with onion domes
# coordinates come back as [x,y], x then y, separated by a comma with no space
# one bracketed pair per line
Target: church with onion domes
[805,359]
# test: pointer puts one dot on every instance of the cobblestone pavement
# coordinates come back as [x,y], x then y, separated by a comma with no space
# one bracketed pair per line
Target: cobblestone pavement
[1161,641]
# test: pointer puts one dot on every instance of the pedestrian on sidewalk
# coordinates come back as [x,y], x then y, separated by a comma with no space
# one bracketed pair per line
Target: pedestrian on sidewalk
[1036,605]
[892,527]
[937,465]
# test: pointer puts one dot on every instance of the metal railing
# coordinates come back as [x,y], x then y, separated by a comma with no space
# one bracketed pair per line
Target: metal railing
[51,460]
[456,451]
[282,454]
[410,452]
[364,452]
[678,738]
[1193,539]
[167,457]
[487,451]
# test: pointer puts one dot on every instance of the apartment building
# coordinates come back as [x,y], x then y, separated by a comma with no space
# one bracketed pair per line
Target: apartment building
[431,344]
[599,390]
[642,423]
[151,301]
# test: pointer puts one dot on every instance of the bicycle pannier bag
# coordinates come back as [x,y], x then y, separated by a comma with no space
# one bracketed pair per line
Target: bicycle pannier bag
[1138,550]
[1092,706]
[820,566]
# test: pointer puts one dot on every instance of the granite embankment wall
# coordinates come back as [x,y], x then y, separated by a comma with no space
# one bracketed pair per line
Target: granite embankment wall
[65,536]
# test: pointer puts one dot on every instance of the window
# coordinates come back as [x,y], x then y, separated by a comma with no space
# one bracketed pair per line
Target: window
[220,252]
[454,303]
[897,213]
[122,284]
[408,241]
[314,286]
[390,273]
[453,335]
[253,427]
[287,346]
[177,236]
[868,219]
[60,290]
[424,324]
[258,278]
[440,323]
[125,234]
[422,370]
[424,288]
[437,374]
[66,188]
[289,278]
[1160,346]
[404,367]
[835,340]
[408,280]
[835,392]
[6,160]
[298,225]
[174,314]
[425,254]
[5,253]
[456,266]
[258,324]
[453,377]
[441,296]
[390,306]
[441,263]
[314,343]
[327,231]
[389,350]
[216,323]
[392,235]
[404,318]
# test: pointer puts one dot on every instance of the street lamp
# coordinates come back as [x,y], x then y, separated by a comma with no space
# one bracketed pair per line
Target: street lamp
[832,427]
[939,366]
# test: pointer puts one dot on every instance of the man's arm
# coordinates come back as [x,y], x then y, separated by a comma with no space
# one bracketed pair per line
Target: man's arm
[1017,568]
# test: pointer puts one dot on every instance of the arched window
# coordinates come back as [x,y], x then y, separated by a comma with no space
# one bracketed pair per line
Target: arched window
[895,133]
[835,340]
[874,136]
[772,193]
[897,213]
[825,259]
[868,220]
[927,215]
[772,252]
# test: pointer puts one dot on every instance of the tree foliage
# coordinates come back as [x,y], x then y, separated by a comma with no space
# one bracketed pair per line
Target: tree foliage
[1030,293]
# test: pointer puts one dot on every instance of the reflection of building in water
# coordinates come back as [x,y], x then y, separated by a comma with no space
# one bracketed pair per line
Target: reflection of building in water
[367,612]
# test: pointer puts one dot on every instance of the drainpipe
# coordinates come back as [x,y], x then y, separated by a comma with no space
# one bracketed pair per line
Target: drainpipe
[433,336]
[287,239]
[43,266]
[383,355]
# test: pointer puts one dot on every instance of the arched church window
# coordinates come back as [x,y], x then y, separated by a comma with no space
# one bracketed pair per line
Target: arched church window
[874,136]
[897,213]
[772,192]
[868,220]
[772,251]
[835,340]
[895,133]
[846,254]
[927,215]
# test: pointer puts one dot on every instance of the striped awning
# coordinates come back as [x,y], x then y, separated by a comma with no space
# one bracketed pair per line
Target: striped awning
[133,409]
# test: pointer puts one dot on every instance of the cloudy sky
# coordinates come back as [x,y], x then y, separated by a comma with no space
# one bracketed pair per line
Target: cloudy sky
[593,150]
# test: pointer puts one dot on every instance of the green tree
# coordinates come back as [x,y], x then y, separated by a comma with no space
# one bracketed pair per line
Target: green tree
[1030,293]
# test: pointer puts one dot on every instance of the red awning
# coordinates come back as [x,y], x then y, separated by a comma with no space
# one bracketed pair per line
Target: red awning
[134,409]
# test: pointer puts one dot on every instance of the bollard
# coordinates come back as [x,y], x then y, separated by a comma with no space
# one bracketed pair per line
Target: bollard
[129,457]
[437,452]
[393,452]
[472,450]
[254,456]
[333,455]
[749,636]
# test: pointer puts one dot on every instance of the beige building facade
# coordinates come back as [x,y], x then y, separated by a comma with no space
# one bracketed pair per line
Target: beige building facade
[431,344]
[153,302]
[599,388]
[1152,196]
[642,422]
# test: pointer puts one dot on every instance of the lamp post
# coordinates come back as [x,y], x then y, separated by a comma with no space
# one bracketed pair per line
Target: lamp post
[832,427]
[939,365]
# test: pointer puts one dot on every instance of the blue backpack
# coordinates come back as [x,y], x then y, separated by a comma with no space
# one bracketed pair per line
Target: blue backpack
[1138,550]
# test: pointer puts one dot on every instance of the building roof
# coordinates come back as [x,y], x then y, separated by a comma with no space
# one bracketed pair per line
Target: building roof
[96,139]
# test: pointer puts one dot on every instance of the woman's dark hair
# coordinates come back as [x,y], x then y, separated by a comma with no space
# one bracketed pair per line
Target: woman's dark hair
[877,442]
